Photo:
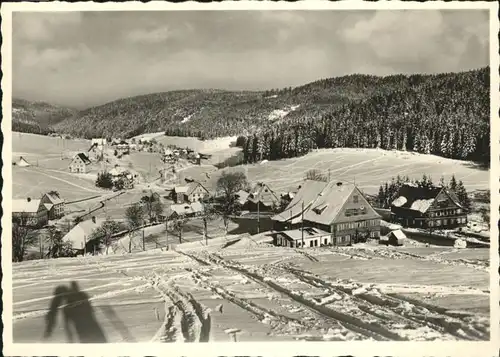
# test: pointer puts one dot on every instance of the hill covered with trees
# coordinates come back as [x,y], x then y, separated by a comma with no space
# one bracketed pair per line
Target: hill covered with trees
[443,114]
[37,117]
[446,115]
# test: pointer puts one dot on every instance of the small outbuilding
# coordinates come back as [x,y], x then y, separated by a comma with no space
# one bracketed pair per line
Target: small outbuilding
[396,237]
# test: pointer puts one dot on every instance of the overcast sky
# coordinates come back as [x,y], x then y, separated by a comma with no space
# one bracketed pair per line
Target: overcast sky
[82,59]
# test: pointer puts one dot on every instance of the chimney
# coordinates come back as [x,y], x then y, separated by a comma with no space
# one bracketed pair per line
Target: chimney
[93,219]
[28,199]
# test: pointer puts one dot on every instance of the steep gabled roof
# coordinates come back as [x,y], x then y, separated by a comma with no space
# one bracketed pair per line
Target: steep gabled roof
[306,195]
[261,192]
[80,233]
[329,202]
[54,199]
[322,203]
[192,186]
[84,158]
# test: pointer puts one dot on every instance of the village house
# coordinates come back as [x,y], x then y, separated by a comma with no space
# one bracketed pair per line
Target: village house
[79,163]
[30,212]
[193,192]
[261,198]
[185,210]
[54,204]
[79,235]
[333,213]
[427,207]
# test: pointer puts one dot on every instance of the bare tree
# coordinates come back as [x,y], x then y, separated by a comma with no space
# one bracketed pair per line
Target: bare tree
[57,247]
[23,236]
[209,213]
[153,206]
[105,232]
[227,187]
[135,216]
[178,224]
[316,175]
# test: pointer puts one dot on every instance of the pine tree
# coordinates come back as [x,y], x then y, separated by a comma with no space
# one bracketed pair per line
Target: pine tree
[463,196]
[403,147]
[246,151]
[386,195]
[453,183]
[255,148]
[381,196]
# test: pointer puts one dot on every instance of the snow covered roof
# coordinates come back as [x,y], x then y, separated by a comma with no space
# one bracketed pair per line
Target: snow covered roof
[398,202]
[185,209]
[81,232]
[23,205]
[54,198]
[306,195]
[263,193]
[181,189]
[322,202]
[422,205]
[22,162]
[416,198]
[242,196]
[192,186]
[398,233]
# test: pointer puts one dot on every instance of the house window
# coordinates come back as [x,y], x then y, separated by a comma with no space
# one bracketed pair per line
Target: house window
[326,241]
[459,211]
[438,222]
[310,243]
[355,198]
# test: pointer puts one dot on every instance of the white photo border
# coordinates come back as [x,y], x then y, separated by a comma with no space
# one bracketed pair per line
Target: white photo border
[364,348]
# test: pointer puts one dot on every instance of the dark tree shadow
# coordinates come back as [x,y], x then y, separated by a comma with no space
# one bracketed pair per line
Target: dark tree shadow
[78,315]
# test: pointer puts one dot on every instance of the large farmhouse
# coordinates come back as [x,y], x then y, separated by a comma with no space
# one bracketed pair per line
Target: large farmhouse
[80,163]
[30,212]
[427,207]
[333,213]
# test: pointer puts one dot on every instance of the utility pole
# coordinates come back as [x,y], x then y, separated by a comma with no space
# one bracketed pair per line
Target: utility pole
[258,216]
[302,224]
[41,247]
[166,231]
[143,239]
[329,177]
[84,245]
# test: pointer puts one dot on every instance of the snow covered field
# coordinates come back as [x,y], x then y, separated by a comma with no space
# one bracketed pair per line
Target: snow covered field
[198,293]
